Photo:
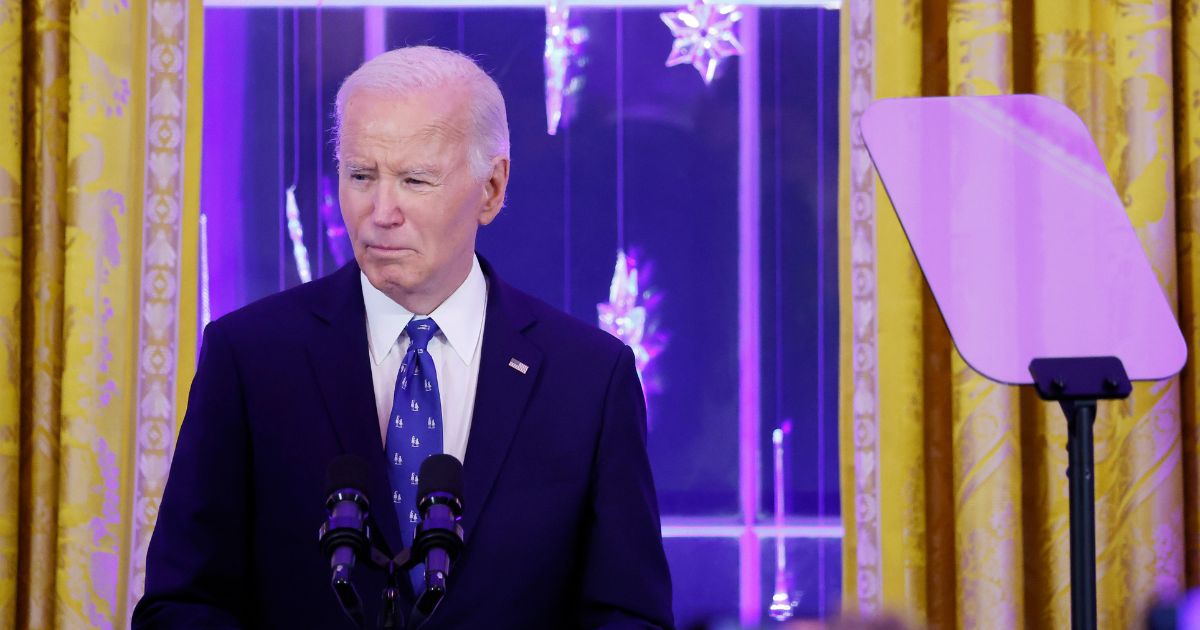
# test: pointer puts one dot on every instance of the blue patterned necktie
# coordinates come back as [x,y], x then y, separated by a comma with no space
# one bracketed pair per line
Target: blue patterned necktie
[415,427]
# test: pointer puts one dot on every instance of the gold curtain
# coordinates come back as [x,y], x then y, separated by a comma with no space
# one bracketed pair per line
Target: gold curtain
[954,493]
[99,192]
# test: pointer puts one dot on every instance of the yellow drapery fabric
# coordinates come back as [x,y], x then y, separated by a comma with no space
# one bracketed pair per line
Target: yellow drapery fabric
[99,198]
[953,488]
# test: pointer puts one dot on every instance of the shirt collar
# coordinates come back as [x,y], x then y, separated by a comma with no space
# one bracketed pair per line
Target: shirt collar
[459,318]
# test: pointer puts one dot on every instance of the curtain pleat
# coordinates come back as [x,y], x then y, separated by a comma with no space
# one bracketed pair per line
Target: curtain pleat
[46,101]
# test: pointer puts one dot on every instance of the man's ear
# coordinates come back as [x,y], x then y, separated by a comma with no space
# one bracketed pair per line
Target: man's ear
[493,190]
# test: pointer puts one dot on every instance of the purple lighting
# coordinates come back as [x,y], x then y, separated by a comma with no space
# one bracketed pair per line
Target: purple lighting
[222,199]
[374,32]
[749,324]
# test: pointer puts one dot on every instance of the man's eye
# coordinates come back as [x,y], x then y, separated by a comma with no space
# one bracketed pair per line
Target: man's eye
[360,177]
[413,181]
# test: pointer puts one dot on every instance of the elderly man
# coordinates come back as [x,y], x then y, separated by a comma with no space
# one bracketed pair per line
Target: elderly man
[546,413]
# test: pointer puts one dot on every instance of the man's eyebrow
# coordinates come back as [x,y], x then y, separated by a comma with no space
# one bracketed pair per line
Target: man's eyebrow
[421,169]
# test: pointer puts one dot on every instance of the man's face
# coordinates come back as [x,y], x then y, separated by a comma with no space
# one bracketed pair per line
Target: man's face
[408,197]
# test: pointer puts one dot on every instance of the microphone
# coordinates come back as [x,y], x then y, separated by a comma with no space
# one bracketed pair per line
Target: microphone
[439,537]
[343,535]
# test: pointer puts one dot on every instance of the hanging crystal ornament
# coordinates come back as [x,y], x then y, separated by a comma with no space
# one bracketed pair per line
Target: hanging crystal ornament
[630,314]
[561,59]
[703,32]
[296,233]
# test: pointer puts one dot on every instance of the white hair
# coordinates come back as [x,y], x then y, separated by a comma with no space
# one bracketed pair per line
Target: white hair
[405,70]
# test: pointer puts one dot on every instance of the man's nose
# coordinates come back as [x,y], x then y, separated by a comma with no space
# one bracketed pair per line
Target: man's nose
[386,211]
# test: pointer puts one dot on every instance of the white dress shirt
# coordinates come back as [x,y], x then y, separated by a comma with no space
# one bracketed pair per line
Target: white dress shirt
[455,351]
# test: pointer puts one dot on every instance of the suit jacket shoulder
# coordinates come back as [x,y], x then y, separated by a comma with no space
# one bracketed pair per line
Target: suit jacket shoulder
[558,332]
[281,316]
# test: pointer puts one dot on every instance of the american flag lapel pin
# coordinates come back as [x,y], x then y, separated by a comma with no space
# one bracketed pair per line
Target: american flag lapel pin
[518,366]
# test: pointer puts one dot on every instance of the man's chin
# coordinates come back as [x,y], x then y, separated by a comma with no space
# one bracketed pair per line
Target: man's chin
[396,279]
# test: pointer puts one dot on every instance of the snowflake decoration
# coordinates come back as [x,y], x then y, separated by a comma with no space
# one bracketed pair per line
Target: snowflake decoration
[704,35]
[630,315]
[563,44]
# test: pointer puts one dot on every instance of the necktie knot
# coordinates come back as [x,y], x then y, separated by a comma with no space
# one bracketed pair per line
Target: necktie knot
[420,331]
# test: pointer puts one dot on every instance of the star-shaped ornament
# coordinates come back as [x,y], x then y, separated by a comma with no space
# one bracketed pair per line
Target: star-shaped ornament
[704,36]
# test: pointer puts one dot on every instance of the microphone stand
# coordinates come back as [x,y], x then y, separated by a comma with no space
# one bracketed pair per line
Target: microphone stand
[390,615]
[396,568]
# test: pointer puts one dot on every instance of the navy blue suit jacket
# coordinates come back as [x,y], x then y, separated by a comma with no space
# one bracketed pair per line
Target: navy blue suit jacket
[560,515]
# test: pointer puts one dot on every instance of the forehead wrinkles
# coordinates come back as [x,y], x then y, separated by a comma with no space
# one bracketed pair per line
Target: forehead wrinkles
[444,106]
[440,131]
[438,139]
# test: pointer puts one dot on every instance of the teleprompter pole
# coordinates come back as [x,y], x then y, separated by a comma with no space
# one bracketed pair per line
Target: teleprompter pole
[1077,383]
[1081,480]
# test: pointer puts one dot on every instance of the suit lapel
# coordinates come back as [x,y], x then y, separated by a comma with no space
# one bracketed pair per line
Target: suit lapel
[508,371]
[341,365]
